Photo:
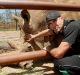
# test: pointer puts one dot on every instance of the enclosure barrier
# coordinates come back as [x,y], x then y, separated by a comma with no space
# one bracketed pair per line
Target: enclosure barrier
[12,4]
[37,5]
[18,57]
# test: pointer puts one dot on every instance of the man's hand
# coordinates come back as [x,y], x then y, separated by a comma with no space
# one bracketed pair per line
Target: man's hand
[29,38]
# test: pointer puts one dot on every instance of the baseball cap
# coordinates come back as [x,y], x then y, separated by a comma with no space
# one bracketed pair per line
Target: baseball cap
[52,15]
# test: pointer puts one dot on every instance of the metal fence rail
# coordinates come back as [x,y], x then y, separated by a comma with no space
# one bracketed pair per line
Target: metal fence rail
[18,4]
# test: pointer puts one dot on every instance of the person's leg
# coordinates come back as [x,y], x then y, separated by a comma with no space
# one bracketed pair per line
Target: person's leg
[56,71]
[70,64]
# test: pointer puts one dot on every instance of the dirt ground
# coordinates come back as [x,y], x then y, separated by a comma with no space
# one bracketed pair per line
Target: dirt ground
[38,68]
[7,35]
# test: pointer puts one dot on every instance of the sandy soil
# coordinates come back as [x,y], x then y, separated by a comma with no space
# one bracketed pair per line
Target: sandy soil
[7,35]
[39,68]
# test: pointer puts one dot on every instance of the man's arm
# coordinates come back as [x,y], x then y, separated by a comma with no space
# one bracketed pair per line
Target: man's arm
[60,50]
[46,32]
